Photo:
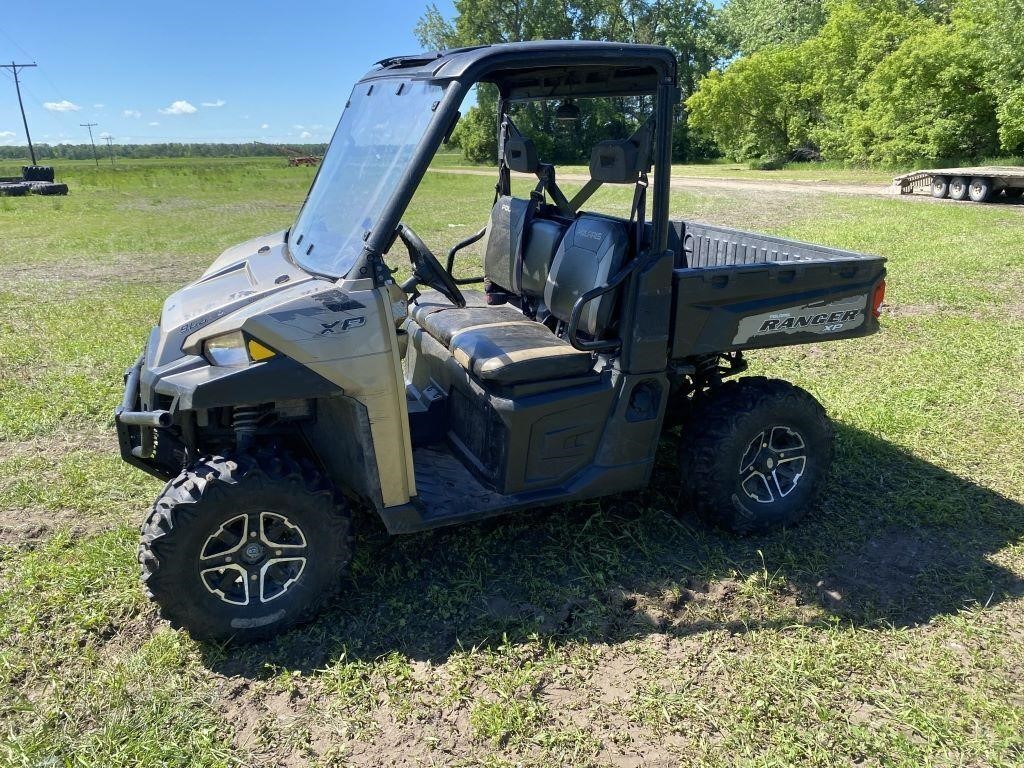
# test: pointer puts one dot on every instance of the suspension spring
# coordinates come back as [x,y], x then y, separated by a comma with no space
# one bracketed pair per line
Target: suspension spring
[244,422]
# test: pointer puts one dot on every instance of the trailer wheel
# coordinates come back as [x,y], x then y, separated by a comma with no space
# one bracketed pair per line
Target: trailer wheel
[980,189]
[755,454]
[940,186]
[1013,193]
[244,548]
[958,188]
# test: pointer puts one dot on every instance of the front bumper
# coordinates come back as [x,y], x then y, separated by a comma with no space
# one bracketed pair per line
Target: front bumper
[137,429]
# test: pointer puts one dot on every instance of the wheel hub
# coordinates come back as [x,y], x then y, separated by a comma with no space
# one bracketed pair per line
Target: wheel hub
[253,552]
[253,558]
[773,464]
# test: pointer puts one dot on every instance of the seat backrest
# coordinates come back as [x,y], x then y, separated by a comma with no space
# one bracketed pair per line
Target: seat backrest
[593,249]
[542,243]
[506,226]
[504,231]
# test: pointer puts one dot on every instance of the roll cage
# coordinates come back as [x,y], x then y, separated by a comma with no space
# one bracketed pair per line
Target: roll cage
[537,70]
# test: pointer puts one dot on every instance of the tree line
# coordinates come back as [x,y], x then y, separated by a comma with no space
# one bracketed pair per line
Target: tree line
[891,82]
[170,150]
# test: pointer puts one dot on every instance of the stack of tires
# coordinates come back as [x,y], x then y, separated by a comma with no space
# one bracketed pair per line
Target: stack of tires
[37,172]
[39,180]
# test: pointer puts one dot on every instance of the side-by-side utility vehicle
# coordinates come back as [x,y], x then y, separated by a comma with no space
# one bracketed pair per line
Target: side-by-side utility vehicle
[298,375]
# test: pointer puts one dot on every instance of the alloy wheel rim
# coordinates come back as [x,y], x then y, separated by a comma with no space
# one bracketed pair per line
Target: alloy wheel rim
[253,558]
[773,464]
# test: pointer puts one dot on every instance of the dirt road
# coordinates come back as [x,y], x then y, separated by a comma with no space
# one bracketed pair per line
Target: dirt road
[744,185]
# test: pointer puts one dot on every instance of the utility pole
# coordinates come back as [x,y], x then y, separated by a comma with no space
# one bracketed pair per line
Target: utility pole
[91,141]
[14,68]
[110,148]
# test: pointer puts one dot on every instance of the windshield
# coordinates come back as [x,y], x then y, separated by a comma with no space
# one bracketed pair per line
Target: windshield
[378,133]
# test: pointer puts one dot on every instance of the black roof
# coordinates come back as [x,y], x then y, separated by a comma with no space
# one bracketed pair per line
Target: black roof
[543,68]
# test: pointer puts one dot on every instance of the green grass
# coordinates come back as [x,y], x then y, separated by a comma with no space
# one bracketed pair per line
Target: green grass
[885,630]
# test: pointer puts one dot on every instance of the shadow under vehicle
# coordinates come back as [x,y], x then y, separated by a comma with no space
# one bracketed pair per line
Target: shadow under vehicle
[297,375]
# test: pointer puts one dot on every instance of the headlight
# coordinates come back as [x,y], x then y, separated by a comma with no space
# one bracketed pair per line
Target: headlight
[233,350]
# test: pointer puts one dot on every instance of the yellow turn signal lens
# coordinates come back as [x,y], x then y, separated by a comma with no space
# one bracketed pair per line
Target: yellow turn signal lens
[259,352]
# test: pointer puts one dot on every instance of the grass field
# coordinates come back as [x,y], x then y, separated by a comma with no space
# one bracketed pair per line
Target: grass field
[887,629]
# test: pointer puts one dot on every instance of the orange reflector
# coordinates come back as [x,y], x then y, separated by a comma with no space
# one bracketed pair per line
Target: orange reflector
[877,299]
[258,352]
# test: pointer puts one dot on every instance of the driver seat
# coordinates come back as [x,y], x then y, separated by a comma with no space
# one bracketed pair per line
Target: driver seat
[498,344]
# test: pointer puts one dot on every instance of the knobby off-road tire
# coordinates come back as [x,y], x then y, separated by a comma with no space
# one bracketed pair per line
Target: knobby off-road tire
[755,453]
[244,548]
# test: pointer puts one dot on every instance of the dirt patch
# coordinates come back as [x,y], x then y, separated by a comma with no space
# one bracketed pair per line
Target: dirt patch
[731,185]
[79,275]
[27,526]
[884,576]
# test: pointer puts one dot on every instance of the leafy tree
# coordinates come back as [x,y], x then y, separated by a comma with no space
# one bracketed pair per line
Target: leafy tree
[760,106]
[685,25]
[994,30]
[925,101]
[750,25]
[857,37]
[887,81]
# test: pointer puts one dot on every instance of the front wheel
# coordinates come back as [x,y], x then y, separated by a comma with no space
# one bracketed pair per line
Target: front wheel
[755,454]
[244,548]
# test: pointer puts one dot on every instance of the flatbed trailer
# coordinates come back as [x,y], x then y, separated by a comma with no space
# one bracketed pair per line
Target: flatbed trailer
[980,184]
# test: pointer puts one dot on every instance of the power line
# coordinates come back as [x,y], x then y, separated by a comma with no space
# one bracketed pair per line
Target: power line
[17,86]
[16,44]
[90,126]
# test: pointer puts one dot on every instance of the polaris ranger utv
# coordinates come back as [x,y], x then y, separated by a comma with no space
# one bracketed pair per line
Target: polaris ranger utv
[297,376]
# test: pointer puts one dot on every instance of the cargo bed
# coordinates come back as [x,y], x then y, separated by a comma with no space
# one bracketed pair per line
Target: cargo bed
[736,290]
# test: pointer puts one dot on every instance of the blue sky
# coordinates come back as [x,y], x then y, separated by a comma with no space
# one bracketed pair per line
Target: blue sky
[193,71]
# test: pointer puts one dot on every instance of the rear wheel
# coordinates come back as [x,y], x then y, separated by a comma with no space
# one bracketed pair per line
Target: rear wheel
[755,453]
[958,188]
[940,186]
[244,548]
[980,190]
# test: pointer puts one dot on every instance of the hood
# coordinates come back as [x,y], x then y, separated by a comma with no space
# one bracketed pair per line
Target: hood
[241,275]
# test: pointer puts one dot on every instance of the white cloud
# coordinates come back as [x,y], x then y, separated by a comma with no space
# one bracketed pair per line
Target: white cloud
[61,106]
[298,127]
[6,134]
[132,113]
[263,127]
[105,135]
[98,106]
[305,135]
[154,123]
[217,103]
[180,107]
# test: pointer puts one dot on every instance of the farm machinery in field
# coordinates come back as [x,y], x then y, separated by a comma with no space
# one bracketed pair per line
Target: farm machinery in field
[299,375]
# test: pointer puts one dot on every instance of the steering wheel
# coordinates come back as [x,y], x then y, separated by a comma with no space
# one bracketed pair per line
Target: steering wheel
[426,269]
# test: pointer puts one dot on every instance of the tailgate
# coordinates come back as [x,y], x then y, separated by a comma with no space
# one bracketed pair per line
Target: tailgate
[754,291]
